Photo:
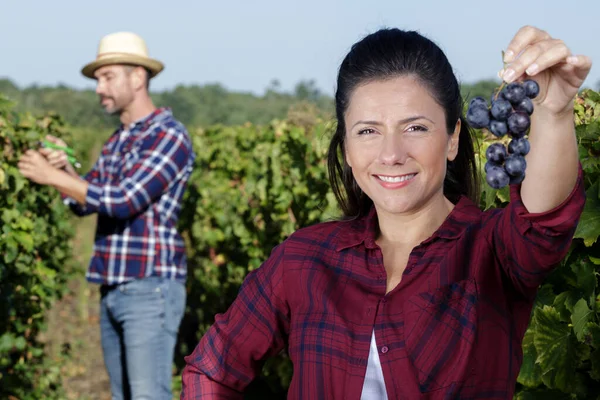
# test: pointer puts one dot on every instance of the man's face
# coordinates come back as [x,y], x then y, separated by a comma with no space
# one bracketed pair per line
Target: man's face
[114,88]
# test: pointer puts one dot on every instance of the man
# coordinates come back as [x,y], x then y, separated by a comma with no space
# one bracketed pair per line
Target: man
[135,187]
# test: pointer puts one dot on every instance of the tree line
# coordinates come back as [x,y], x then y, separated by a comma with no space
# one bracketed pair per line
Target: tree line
[194,105]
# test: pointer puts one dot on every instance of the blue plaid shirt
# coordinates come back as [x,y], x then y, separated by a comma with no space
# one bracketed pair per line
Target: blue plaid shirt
[136,187]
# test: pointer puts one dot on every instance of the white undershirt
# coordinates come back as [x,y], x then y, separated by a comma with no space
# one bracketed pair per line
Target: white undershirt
[374,386]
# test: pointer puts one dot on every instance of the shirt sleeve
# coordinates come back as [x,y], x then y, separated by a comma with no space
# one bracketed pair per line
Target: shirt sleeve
[530,245]
[164,155]
[256,326]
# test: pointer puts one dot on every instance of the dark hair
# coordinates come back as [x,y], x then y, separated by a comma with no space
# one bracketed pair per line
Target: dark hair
[386,54]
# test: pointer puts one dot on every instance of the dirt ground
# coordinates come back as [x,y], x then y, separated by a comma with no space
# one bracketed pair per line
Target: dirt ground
[73,334]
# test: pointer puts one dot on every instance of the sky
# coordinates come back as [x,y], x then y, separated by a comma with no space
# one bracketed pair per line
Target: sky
[244,45]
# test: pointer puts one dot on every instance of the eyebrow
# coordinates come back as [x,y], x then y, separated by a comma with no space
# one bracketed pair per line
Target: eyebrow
[404,121]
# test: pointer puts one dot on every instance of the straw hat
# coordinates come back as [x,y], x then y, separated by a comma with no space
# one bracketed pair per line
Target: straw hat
[122,48]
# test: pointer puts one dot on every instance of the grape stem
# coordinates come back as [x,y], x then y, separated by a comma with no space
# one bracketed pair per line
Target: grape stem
[503,83]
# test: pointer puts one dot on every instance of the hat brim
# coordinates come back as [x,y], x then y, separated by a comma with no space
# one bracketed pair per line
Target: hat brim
[154,66]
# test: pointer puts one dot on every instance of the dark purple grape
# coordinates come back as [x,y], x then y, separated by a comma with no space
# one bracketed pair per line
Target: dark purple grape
[518,122]
[497,177]
[501,109]
[496,153]
[526,105]
[478,117]
[519,146]
[477,101]
[514,92]
[515,165]
[515,180]
[490,164]
[498,128]
[532,89]
[517,135]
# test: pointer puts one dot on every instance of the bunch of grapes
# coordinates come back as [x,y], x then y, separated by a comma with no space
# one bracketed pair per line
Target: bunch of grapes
[509,113]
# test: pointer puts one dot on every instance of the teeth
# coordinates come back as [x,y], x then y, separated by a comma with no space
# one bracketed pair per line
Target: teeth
[395,179]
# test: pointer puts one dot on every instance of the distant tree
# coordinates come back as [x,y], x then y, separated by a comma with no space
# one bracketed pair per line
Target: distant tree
[483,88]
[195,105]
[307,90]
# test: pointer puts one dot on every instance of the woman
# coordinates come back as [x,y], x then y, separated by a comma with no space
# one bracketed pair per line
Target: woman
[416,293]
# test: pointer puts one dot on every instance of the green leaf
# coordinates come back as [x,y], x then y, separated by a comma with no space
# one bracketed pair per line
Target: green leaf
[581,316]
[586,278]
[592,334]
[6,343]
[556,349]
[20,343]
[504,194]
[25,240]
[564,304]
[588,228]
[545,296]
[12,250]
[530,374]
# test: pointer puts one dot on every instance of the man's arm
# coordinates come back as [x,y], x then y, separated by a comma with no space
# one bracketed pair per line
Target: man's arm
[69,185]
[164,156]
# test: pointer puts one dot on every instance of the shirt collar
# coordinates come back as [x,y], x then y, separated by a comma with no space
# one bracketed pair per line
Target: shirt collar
[364,229]
[144,122]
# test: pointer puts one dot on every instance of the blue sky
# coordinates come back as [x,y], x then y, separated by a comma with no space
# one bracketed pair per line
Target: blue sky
[245,44]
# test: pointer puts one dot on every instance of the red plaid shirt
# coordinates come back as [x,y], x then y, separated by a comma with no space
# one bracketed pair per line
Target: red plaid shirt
[452,328]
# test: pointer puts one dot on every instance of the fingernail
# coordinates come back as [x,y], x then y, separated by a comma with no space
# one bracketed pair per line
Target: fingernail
[533,68]
[508,55]
[508,75]
[500,73]
[572,59]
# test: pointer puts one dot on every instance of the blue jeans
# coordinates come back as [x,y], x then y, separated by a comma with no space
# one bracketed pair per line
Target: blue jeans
[139,321]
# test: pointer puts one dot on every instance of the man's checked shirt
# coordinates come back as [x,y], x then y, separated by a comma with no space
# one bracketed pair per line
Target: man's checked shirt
[451,329]
[136,187]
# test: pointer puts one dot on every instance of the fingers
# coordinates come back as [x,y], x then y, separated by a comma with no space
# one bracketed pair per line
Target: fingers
[582,65]
[46,152]
[526,36]
[33,158]
[537,57]
[56,158]
[55,140]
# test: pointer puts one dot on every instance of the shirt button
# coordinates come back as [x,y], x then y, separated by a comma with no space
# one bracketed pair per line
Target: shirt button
[383,299]
[384,349]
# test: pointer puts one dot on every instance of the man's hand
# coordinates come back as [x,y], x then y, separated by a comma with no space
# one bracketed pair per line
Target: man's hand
[58,158]
[35,167]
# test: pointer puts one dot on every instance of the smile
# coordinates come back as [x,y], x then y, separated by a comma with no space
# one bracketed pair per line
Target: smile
[395,179]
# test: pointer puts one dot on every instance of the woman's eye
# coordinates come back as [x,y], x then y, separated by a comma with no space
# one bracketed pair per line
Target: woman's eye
[417,128]
[367,131]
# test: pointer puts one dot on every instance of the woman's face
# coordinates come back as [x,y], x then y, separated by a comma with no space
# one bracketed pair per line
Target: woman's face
[397,144]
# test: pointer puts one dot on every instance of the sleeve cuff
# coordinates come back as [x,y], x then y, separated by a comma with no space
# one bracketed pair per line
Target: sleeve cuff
[93,195]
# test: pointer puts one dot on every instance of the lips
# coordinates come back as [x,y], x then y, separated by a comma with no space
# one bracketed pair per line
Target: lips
[395,178]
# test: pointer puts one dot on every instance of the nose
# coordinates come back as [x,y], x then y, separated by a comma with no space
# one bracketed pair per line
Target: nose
[393,149]
[99,88]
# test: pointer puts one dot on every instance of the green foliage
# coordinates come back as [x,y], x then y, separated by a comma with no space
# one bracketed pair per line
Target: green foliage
[562,344]
[193,105]
[35,259]
[250,189]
